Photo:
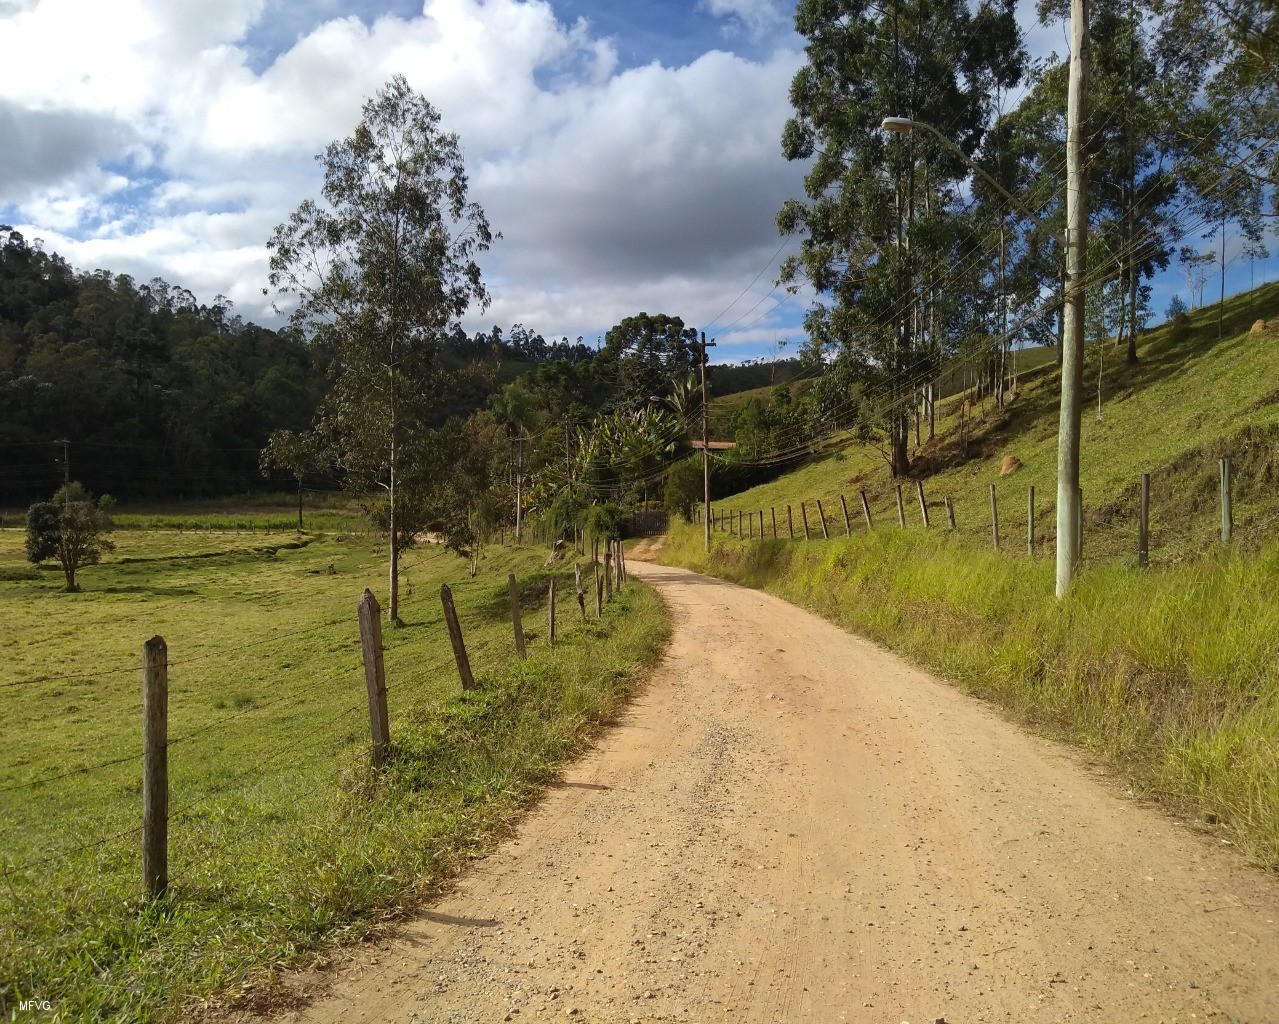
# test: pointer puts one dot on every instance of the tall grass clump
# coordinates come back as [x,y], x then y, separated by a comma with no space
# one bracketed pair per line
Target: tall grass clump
[1171,675]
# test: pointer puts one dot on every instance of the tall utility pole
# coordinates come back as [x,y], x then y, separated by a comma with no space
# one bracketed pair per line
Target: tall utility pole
[706,453]
[519,480]
[1069,513]
[66,459]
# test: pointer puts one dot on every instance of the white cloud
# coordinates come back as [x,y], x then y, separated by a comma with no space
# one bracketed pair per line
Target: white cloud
[758,17]
[649,188]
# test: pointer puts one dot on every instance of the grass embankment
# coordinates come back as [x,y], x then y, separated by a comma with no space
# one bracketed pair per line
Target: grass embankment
[281,841]
[1172,673]
[1190,400]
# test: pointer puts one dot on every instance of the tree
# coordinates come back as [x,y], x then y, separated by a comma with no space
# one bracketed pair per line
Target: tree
[300,454]
[651,351]
[69,528]
[879,223]
[382,266]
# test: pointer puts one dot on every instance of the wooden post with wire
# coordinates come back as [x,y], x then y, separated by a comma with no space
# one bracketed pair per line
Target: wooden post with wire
[374,674]
[821,514]
[550,614]
[848,526]
[1227,501]
[772,511]
[803,514]
[608,575]
[790,523]
[455,638]
[155,767]
[950,513]
[994,518]
[1030,521]
[517,618]
[1143,522]
[581,591]
[599,595]
[866,511]
[901,508]
[923,505]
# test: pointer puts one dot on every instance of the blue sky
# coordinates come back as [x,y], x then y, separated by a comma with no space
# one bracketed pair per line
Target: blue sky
[628,152]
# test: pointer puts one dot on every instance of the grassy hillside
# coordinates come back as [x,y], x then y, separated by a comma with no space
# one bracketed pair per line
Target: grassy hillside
[1171,674]
[280,838]
[1190,400]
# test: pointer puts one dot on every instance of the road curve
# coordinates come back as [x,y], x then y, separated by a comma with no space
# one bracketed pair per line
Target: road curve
[792,824]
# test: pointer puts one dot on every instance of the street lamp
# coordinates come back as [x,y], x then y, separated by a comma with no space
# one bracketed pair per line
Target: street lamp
[901,125]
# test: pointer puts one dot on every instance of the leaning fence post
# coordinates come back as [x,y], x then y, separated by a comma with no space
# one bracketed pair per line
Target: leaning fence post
[994,518]
[1030,521]
[866,511]
[1227,509]
[599,594]
[155,766]
[455,638]
[901,508]
[803,514]
[790,523]
[516,616]
[581,591]
[1143,522]
[821,514]
[923,505]
[374,674]
[950,513]
[848,526]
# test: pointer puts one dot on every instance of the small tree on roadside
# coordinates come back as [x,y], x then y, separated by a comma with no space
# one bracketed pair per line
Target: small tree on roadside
[69,528]
[382,266]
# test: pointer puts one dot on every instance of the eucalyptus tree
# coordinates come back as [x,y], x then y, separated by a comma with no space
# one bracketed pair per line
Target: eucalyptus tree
[877,223]
[381,266]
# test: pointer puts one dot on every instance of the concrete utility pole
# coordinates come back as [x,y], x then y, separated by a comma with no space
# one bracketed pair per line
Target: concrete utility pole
[706,451]
[1069,514]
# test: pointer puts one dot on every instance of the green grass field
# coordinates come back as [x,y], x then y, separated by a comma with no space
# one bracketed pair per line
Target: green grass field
[1168,673]
[281,839]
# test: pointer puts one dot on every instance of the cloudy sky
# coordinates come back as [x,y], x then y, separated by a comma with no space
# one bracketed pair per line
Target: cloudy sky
[628,151]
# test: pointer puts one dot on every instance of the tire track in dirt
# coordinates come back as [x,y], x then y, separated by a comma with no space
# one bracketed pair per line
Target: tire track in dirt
[792,824]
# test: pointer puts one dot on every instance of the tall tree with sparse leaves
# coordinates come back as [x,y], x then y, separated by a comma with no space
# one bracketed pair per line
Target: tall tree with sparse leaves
[382,265]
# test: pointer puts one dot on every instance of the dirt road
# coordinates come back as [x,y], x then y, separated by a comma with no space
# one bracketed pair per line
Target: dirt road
[792,824]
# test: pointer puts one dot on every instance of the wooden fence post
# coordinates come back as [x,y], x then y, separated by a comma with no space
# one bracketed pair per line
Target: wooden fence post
[923,505]
[994,518]
[1030,521]
[803,514]
[848,526]
[750,525]
[761,524]
[455,638]
[155,767]
[374,674]
[516,616]
[790,523]
[866,511]
[550,613]
[901,508]
[739,522]
[772,511]
[599,595]
[581,591]
[608,575]
[1143,522]
[950,513]
[1227,500]
[821,514]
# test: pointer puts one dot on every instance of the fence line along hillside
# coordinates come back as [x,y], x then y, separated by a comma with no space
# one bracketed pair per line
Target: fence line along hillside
[266,822]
